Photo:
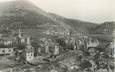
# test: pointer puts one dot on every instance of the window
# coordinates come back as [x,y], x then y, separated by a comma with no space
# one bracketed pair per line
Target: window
[10,50]
[31,54]
[3,50]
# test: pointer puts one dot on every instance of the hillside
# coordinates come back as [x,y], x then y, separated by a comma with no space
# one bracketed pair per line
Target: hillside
[25,15]
[105,30]
[77,25]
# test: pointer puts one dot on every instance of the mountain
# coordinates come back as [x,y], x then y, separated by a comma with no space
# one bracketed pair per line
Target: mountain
[34,21]
[22,13]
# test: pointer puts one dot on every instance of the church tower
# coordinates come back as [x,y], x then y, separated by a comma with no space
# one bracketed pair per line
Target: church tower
[20,37]
[29,51]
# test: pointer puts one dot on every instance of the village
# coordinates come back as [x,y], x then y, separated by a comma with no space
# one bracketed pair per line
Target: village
[57,36]
[58,48]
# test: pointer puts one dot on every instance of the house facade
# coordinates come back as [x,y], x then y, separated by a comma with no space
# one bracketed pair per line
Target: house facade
[6,46]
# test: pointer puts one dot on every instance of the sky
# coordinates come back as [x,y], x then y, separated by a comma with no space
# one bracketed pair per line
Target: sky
[97,11]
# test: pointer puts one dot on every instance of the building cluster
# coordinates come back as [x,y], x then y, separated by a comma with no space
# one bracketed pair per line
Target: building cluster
[57,33]
[51,48]
[9,45]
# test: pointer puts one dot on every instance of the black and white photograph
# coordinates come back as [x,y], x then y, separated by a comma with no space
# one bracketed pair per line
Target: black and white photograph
[57,35]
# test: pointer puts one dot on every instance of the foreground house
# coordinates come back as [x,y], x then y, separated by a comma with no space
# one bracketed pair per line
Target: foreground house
[7,45]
